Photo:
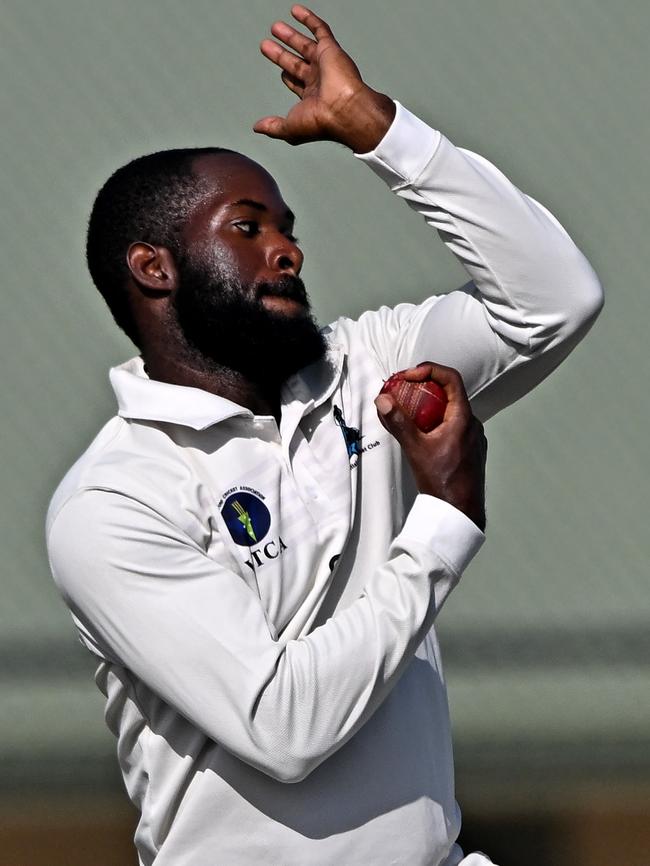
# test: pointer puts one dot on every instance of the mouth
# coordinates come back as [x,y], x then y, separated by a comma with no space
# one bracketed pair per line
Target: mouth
[287,293]
[284,304]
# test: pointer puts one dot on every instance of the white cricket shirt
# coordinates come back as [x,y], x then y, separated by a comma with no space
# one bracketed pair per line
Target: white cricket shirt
[262,599]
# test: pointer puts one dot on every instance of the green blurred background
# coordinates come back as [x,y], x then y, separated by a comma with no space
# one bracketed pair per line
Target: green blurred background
[546,641]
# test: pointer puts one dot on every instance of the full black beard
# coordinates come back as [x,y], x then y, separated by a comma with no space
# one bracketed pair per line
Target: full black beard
[228,325]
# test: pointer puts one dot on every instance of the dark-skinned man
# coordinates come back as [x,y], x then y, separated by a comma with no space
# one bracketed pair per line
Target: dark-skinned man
[256,550]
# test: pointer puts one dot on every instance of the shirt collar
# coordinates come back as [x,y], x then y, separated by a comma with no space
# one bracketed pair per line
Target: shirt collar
[144,399]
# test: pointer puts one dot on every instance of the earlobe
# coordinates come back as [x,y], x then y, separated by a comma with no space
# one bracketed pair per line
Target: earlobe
[152,267]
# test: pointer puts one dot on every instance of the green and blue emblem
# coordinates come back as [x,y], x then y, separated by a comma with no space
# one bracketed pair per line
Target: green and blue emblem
[247,518]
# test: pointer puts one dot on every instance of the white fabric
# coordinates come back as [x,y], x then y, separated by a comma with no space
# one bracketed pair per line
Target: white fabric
[476,859]
[262,601]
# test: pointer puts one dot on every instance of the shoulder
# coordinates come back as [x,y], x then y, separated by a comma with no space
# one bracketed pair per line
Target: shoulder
[134,460]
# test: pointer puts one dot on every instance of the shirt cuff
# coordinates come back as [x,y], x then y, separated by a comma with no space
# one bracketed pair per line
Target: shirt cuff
[404,151]
[444,529]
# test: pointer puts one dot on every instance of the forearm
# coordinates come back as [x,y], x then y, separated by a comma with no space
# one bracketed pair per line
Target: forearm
[531,286]
[328,684]
[196,635]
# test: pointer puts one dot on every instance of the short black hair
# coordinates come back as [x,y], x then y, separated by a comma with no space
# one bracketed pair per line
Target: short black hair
[146,200]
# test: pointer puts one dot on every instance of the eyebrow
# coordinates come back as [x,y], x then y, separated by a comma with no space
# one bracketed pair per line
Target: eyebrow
[257,205]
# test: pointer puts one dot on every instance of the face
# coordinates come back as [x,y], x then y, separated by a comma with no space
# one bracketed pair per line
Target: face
[240,301]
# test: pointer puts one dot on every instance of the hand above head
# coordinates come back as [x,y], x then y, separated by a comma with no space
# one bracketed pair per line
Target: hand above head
[335,103]
[449,461]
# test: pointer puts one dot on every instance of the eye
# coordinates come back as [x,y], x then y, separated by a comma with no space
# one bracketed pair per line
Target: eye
[248,227]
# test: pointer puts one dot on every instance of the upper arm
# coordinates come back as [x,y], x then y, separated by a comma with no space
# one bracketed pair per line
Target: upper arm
[450,329]
[532,296]
[500,354]
[153,600]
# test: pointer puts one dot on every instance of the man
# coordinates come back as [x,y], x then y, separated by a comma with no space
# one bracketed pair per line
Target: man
[252,556]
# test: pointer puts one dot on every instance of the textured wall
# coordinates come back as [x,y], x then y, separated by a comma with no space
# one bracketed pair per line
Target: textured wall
[546,639]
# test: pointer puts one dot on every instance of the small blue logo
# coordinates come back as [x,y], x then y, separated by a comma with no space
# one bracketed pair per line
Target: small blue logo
[247,518]
[350,434]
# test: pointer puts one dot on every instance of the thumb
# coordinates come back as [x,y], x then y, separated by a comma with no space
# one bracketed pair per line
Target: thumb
[274,127]
[394,420]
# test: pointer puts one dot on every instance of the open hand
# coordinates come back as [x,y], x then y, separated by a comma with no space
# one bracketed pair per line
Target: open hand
[335,103]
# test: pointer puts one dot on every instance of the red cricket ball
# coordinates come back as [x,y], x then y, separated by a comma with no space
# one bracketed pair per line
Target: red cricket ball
[424,402]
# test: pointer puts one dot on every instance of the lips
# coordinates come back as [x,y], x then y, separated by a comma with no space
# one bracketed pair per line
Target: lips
[289,287]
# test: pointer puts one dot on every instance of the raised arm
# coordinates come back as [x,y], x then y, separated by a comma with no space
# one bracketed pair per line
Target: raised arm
[532,294]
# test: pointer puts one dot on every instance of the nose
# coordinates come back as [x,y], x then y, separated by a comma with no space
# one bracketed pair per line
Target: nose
[285,256]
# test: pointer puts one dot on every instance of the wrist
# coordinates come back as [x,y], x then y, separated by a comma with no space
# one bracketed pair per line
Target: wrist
[365,120]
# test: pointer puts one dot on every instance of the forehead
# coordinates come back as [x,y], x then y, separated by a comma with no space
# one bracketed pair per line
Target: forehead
[230,177]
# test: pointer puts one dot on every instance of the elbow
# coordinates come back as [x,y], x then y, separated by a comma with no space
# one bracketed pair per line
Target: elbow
[577,308]
[291,774]
[574,284]
[274,757]
[589,299]
[290,759]
[288,768]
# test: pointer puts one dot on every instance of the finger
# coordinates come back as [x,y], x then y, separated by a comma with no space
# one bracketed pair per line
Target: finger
[458,410]
[448,377]
[291,37]
[312,22]
[284,59]
[394,420]
[295,85]
[419,373]
[273,126]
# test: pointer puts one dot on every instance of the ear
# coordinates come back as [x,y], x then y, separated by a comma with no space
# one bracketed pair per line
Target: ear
[152,267]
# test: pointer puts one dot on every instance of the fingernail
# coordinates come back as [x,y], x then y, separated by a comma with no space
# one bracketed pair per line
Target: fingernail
[384,404]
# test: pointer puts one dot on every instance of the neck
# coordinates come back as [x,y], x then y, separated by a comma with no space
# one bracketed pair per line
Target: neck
[193,370]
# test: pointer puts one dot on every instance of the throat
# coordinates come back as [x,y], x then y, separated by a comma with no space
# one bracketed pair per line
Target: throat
[262,398]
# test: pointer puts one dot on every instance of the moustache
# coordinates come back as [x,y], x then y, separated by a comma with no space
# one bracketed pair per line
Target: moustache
[286,286]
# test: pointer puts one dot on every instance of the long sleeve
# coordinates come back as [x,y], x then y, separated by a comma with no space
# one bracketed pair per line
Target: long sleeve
[532,296]
[145,596]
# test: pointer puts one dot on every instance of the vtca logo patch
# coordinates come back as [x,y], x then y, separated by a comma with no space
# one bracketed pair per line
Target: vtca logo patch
[247,518]
[249,521]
